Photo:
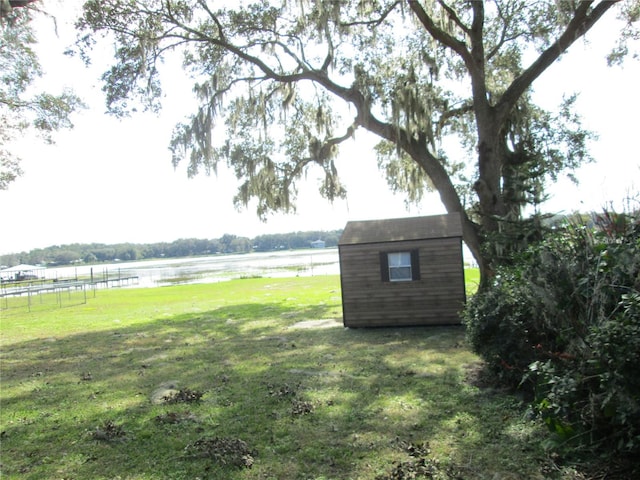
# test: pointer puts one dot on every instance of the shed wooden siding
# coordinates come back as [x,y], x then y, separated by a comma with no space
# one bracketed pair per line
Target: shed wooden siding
[435,299]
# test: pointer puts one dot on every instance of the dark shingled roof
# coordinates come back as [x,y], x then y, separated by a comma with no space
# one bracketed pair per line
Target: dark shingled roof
[399,229]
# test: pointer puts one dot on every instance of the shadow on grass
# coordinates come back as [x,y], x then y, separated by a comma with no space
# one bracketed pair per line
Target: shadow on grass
[309,403]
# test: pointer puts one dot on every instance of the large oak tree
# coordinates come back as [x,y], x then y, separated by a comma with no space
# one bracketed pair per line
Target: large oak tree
[282,84]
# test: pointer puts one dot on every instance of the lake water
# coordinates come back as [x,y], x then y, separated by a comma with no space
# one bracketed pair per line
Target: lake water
[210,269]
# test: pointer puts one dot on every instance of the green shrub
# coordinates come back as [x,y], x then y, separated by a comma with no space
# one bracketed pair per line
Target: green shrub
[530,313]
[501,327]
[614,383]
[564,321]
[594,398]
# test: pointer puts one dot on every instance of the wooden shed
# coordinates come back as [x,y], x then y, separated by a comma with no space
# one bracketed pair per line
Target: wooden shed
[402,272]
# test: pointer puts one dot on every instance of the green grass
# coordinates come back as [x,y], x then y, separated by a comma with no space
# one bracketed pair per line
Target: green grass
[471,280]
[315,403]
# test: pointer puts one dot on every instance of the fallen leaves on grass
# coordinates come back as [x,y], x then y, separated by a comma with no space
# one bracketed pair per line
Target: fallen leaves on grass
[415,468]
[300,407]
[225,451]
[184,395]
[419,450]
[109,432]
[419,466]
[285,390]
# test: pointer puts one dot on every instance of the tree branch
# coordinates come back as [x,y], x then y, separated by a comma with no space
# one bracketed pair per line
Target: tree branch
[454,16]
[503,33]
[373,23]
[581,22]
[213,17]
[324,151]
[330,52]
[438,34]
[200,36]
[338,140]
[476,65]
[454,112]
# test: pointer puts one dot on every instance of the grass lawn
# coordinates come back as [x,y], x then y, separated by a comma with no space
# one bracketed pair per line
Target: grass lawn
[249,392]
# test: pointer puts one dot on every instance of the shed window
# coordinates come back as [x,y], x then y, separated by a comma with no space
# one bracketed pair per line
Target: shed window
[399,266]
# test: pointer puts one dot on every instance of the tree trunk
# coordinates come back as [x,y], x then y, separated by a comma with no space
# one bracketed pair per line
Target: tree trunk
[449,197]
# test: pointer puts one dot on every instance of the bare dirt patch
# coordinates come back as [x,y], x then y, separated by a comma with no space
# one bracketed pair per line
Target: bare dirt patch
[176,418]
[163,391]
[321,323]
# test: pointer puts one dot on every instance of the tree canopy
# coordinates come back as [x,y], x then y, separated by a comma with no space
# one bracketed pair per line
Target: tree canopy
[282,84]
[22,109]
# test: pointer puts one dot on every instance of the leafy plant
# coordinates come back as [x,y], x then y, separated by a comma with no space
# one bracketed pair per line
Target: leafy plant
[563,321]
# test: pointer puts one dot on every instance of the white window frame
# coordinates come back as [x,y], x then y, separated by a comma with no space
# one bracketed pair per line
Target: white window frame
[400,268]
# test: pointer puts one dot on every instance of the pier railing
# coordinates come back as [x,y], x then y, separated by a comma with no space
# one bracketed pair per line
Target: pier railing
[65,291]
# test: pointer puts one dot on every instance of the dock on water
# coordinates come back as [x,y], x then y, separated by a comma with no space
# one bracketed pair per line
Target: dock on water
[62,288]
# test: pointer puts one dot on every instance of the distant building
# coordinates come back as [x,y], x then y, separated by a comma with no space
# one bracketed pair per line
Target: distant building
[21,272]
[401,272]
[318,244]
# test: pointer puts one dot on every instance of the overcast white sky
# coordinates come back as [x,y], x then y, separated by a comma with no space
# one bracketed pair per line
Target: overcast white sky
[111,181]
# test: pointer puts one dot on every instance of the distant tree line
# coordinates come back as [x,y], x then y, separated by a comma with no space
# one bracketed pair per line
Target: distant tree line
[77,253]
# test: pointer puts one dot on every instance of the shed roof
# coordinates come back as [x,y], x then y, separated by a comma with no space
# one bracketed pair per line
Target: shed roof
[401,229]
